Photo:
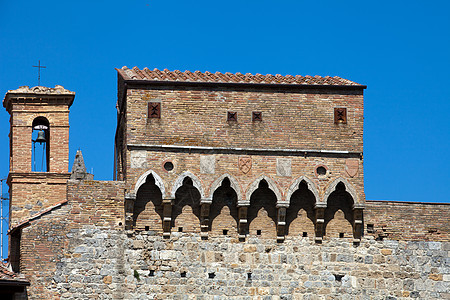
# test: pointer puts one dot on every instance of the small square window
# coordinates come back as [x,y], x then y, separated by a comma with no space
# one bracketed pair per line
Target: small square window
[232,116]
[340,115]
[257,116]
[154,110]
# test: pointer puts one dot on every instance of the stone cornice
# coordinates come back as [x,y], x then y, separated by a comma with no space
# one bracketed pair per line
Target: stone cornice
[38,94]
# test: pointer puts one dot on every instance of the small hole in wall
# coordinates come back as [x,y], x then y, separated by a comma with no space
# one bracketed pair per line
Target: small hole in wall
[341,235]
[305,234]
[147,228]
[183,274]
[180,229]
[338,277]
[225,231]
[321,171]
[249,276]
[258,232]
[370,228]
[168,166]
[211,275]
[120,223]
[152,273]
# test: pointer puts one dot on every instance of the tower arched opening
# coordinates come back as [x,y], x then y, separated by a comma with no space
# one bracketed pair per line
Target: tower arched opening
[40,138]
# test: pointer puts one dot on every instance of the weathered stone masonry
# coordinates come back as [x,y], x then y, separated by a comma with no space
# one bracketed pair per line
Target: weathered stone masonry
[214,202]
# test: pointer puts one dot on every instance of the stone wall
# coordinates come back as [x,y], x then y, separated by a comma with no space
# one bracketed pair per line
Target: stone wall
[109,264]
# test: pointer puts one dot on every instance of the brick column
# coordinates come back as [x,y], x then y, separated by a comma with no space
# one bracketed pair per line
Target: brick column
[320,222]
[167,217]
[358,223]
[129,210]
[281,224]
[204,217]
[243,224]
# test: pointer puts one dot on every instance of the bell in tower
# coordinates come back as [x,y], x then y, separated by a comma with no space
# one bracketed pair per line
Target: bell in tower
[40,151]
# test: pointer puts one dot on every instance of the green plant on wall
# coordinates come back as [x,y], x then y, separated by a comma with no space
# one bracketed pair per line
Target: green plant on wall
[136,275]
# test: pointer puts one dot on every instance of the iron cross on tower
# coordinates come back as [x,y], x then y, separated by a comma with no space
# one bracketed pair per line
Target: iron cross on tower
[39,72]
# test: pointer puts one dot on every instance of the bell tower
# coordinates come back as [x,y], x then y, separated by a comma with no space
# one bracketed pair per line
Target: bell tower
[39,148]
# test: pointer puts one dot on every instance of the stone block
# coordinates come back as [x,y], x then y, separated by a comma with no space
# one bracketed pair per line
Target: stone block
[284,167]
[207,164]
[139,159]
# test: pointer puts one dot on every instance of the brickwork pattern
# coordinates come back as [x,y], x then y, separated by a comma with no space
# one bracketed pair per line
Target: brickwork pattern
[34,192]
[408,220]
[198,117]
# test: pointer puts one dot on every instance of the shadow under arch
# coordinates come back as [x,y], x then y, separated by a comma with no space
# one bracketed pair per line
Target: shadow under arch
[224,195]
[233,183]
[262,198]
[193,179]
[339,199]
[270,185]
[148,201]
[302,198]
[187,195]
[143,178]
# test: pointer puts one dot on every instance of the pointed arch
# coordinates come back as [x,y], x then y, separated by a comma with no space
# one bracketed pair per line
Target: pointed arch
[158,181]
[348,187]
[225,193]
[233,183]
[255,184]
[295,185]
[195,181]
[339,196]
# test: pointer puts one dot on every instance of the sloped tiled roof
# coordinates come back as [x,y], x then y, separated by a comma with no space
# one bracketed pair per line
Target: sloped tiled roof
[7,275]
[197,76]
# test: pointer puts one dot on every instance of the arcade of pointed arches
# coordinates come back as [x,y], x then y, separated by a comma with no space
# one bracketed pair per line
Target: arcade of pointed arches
[260,209]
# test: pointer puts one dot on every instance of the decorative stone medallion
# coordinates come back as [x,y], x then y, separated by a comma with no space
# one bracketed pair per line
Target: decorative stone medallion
[351,166]
[245,164]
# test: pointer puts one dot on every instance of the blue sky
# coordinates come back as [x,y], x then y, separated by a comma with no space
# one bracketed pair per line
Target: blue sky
[399,49]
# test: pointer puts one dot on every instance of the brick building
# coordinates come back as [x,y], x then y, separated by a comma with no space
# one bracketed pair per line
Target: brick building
[226,185]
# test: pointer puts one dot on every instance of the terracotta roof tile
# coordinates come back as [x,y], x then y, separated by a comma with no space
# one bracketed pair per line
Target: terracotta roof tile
[197,76]
[6,274]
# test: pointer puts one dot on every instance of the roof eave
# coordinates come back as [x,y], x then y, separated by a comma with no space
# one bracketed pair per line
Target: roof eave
[283,86]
